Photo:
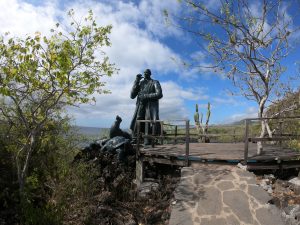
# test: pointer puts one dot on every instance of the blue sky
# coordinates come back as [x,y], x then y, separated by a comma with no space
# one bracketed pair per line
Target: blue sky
[140,39]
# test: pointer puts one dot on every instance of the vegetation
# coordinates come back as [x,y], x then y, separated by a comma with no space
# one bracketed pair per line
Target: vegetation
[246,45]
[202,130]
[39,77]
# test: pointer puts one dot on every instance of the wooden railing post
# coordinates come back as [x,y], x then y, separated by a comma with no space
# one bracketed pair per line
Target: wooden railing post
[146,138]
[246,140]
[138,139]
[162,132]
[153,134]
[187,142]
[280,132]
[175,140]
[234,138]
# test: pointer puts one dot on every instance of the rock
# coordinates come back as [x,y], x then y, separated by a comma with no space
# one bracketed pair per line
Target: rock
[155,217]
[295,185]
[270,191]
[147,187]
[104,197]
[118,180]
[280,185]
[270,177]
[241,166]
[291,214]
[266,185]
[287,210]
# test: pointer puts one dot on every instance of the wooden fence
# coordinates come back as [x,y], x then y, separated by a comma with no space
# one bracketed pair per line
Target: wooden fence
[150,132]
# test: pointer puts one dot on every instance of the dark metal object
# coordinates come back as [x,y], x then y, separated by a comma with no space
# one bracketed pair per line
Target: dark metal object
[148,92]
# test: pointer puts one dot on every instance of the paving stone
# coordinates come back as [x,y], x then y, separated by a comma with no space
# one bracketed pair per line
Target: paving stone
[238,202]
[185,193]
[225,185]
[213,221]
[187,171]
[243,186]
[231,220]
[180,216]
[228,176]
[200,192]
[210,203]
[244,173]
[226,209]
[201,179]
[257,223]
[265,217]
[186,181]
[258,193]
[249,181]
[253,203]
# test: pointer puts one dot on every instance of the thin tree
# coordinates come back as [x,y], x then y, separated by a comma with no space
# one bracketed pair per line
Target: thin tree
[247,41]
[40,76]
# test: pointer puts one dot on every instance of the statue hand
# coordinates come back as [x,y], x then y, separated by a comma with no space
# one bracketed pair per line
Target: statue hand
[139,76]
[142,97]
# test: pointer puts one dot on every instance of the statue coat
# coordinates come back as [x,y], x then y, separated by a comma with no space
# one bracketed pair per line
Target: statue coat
[148,92]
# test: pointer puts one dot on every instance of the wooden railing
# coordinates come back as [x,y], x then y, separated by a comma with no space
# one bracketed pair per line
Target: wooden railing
[279,137]
[162,136]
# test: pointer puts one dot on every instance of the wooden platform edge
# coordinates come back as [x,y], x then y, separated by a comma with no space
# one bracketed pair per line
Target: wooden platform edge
[273,165]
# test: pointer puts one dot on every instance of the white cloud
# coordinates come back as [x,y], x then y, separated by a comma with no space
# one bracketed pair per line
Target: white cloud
[227,101]
[119,103]
[20,18]
[172,105]
[154,19]
[134,48]
[250,112]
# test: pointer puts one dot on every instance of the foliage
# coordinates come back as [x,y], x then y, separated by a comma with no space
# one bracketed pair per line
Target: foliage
[289,105]
[41,75]
[48,169]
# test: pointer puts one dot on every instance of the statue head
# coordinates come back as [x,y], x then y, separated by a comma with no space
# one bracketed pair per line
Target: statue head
[147,73]
[118,119]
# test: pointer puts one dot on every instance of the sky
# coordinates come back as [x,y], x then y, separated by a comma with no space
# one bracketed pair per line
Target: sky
[140,39]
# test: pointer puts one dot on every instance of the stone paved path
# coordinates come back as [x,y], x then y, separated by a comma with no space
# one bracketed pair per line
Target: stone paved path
[221,195]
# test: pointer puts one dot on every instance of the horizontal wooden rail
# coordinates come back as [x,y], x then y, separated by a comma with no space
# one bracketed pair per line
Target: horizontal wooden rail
[163,136]
[277,137]
[272,138]
[275,118]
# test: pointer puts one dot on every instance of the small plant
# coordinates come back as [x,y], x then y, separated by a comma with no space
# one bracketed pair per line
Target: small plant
[201,128]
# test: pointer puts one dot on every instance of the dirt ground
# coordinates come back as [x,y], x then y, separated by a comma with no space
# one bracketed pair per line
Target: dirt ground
[117,200]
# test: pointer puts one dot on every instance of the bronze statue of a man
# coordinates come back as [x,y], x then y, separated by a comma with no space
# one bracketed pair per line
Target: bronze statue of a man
[148,92]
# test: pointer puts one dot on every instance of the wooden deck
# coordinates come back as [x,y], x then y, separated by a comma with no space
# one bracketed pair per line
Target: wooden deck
[218,152]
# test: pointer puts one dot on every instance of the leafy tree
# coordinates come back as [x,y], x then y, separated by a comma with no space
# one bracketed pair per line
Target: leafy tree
[40,76]
[245,44]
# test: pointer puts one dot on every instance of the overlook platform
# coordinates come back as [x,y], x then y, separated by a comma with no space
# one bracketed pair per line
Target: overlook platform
[180,145]
[273,156]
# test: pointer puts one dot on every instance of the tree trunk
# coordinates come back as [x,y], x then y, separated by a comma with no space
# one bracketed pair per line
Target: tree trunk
[22,172]
[264,125]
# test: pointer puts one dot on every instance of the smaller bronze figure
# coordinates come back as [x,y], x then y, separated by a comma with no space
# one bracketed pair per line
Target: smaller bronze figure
[115,130]
[148,93]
